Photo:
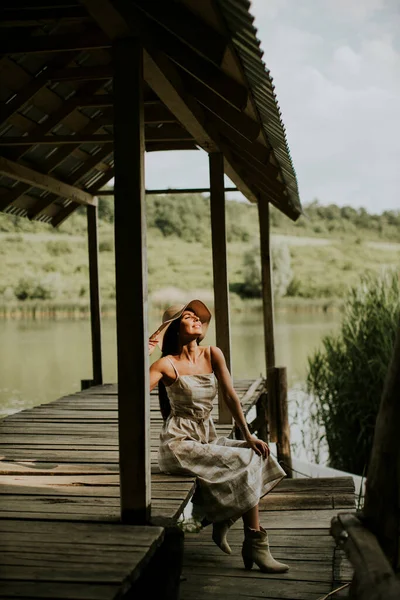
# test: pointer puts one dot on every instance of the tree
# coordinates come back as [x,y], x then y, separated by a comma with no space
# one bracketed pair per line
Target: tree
[281,271]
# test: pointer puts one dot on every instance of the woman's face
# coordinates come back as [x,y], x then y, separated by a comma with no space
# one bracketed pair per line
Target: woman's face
[190,325]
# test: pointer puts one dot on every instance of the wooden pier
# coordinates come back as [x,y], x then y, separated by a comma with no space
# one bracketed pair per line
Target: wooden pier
[297,515]
[60,514]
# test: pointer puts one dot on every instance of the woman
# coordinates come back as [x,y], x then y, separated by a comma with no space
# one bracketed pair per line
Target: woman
[231,475]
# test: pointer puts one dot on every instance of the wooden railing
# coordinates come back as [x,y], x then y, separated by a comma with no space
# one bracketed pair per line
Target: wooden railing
[272,423]
[374,578]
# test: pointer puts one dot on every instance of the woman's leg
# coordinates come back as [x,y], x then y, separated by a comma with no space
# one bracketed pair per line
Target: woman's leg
[251,518]
[255,547]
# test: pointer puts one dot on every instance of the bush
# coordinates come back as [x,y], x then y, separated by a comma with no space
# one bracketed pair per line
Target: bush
[31,288]
[106,245]
[281,272]
[346,377]
[59,247]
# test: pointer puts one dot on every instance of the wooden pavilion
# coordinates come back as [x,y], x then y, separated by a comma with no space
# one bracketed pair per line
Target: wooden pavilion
[87,88]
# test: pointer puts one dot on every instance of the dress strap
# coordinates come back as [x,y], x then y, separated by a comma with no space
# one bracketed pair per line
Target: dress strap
[173,366]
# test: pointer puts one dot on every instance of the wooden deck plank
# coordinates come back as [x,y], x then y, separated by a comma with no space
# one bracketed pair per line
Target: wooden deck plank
[59,468]
[86,554]
[310,552]
[72,591]
[78,434]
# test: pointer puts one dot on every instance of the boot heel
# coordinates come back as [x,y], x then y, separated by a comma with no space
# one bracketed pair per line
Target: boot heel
[248,562]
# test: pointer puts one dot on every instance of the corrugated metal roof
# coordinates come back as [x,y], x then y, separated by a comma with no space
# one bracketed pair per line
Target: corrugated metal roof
[239,22]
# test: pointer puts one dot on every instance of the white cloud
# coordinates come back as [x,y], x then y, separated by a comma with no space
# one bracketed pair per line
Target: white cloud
[357,10]
[338,87]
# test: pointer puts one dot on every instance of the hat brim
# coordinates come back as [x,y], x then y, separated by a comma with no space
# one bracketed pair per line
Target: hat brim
[198,307]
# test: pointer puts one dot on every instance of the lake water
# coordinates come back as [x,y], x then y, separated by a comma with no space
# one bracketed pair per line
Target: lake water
[43,360]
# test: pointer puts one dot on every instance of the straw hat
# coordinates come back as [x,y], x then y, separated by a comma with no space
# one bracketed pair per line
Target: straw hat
[175,312]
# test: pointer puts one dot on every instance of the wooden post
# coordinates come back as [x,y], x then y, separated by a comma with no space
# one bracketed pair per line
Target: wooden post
[278,422]
[220,270]
[95,313]
[131,282]
[382,495]
[266,278]
[277,391]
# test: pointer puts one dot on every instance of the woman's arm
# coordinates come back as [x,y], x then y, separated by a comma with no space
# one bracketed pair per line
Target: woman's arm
[156,373]
[232,401]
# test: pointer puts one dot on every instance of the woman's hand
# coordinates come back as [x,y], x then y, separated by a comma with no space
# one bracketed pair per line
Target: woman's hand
[261,448]
[152,344]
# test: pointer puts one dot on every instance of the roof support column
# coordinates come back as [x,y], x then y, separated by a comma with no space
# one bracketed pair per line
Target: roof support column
[278,422]
[220,270]
[131,283]
[95,313]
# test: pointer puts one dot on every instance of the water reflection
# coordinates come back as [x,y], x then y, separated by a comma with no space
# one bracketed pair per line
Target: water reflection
[40,361]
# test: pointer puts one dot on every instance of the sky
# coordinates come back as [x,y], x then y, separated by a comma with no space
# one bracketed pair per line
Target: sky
[336,71]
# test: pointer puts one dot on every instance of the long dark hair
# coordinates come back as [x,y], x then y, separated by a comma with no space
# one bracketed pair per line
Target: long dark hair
[170,345]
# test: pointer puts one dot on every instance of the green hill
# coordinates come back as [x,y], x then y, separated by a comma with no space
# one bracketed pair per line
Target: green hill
[327,250]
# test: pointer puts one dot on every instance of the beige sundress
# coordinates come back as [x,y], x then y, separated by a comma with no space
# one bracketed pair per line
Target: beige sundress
[231,478]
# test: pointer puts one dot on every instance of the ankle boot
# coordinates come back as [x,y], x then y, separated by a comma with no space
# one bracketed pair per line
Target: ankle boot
[256,550]
[220,530]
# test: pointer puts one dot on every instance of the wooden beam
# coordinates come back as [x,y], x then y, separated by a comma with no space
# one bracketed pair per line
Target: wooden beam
[255,149]
[159,72]
[82,73]
[244,171]
[220,270]
[131,283]
[59,115]
[154,112]
[61,216]
[158,113]
[44,182]
[89,40]
[42,203]
[187,59]
[90,163]
[170,146]
[63,152]
[108,17]
[10,195]
[239,121]
[48,166]
[35,85]
[28,17]
[165,133]
[101,181]
[171,191]
[167,83]
[57,140]
[94,287]
[187,27]
[168,86]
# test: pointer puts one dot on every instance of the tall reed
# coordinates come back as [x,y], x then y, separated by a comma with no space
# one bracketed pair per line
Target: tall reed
[346,377]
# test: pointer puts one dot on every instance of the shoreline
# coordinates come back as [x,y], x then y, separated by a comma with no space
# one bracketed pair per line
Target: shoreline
[76,310]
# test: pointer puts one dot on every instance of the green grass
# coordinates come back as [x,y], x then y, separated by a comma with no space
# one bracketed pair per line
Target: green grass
[41,263]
